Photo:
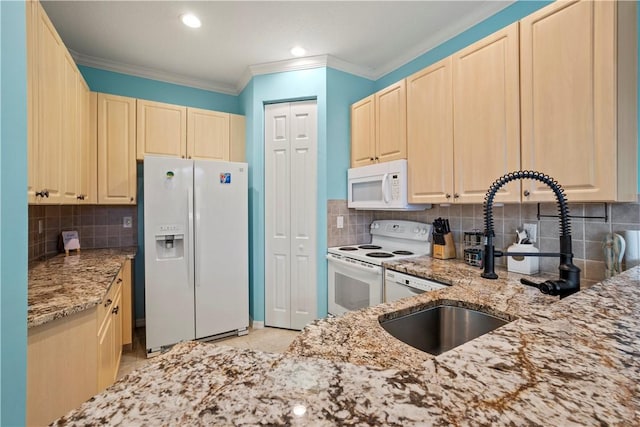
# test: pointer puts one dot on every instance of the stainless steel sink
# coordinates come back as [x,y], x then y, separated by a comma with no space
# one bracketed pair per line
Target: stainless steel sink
[441,328]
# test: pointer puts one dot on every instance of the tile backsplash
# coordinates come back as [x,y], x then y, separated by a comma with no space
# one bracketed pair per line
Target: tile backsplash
[97,226]
[587,234]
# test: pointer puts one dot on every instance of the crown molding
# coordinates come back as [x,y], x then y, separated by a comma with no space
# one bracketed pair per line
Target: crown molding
[298,64]
[138,71]
[442,36]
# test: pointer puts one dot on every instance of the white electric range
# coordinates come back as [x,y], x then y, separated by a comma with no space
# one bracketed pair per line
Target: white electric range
[356,275]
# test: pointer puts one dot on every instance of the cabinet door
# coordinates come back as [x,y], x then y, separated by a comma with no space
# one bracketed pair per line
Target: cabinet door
[237,138]
[486,116]
[363,132]
[162,129]
[105,354]
[70,124]
[116,149]
[32,100]
[430,134]
[568,64]
[391,123]
[207,134]
[50,70]
[88,145]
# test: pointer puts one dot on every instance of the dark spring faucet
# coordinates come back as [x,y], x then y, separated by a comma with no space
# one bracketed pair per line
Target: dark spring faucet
[569,280]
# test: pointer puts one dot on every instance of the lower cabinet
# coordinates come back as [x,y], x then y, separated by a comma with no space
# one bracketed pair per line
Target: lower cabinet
[71,359]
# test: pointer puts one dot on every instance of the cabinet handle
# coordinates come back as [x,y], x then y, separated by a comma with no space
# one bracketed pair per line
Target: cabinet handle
[448,196]
[131,199]
[108,303]
[526,193]
[371,158]
[80,197]
[377,159]
[456,195]
[43,193]
[115,309]
[119,280]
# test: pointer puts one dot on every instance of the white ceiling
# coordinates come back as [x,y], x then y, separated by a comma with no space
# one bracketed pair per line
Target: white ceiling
[366,38]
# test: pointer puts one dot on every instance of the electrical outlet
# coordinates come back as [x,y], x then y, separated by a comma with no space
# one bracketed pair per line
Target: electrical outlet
[126,222]
[340,222]
[532,231]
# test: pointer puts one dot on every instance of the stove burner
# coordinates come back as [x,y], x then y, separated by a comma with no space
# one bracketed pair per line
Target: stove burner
[403,252]
[380,255]
[370,247]
[348,248]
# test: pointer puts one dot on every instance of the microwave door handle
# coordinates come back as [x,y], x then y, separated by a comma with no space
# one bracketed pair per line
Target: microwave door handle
[385,188]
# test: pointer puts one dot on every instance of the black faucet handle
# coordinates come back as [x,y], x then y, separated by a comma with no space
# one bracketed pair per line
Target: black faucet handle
[561,287]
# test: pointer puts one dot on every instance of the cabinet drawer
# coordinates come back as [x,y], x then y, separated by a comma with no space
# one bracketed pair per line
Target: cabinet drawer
[107,303]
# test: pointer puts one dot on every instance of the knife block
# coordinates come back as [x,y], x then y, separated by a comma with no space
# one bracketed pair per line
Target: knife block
[446,251]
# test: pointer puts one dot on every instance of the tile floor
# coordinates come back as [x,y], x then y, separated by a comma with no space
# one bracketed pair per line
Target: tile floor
[272,340]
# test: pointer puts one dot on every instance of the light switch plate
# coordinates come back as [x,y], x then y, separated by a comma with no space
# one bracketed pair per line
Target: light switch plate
[126,221]
[340,222]
[532,231]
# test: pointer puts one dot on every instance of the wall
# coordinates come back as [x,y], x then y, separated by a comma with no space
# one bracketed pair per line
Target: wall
[97,226]
[13,213]
[587,234]
[154,90]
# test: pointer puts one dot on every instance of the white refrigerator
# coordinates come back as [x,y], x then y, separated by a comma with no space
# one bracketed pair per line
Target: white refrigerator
[196,250]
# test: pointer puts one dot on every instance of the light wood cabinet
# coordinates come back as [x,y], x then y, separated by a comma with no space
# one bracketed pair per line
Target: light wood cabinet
[391,123]
[363,132]
[88,165]
[463,123]
[486,116]
[161,129]
[127,304]
[379,126]
[109,317]
[208,134]
[49,72]
[579,106]
[56,114]
[237,143]
[116,124]
[430,134]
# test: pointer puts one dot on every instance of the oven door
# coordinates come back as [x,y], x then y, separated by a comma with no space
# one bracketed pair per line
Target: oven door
[352,284]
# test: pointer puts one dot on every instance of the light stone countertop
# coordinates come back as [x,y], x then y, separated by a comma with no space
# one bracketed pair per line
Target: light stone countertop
[64,285]
[569,362]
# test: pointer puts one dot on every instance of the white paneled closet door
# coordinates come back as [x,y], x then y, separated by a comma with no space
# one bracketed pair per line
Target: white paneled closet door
[290,214]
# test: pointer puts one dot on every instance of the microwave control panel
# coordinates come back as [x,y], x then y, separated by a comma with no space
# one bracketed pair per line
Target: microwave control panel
[395,186]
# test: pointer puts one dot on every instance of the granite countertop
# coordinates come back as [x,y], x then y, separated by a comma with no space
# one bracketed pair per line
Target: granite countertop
[569,362]
[64,285]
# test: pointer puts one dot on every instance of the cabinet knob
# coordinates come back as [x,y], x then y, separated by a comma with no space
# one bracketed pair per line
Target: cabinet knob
[371,158]
[448,196]
[108,303]
[377,158]
[456,195]
[131,199]
[119,280]
[115,309]
[526,193]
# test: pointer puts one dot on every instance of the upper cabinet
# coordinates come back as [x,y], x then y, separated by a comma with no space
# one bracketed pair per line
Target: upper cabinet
[579,106]
[116,125]
[207,134]
[56,113]
[363,132]
[162,129]
[174,130]
[379,126]
[486,116]
[430,134]
[462,123]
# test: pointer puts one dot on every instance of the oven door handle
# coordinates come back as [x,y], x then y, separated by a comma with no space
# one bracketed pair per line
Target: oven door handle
[385,188]
[374,268]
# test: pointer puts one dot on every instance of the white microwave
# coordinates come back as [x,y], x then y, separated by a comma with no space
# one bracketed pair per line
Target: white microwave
[382,186]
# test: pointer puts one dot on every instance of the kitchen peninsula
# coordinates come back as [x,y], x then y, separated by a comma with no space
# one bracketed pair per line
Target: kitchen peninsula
[569,362]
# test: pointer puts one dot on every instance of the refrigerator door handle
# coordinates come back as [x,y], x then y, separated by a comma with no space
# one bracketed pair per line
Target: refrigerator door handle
[196,241]
[190,246]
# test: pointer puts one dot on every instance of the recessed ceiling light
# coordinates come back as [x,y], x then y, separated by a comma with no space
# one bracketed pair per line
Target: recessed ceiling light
[298,51]
[190,20]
